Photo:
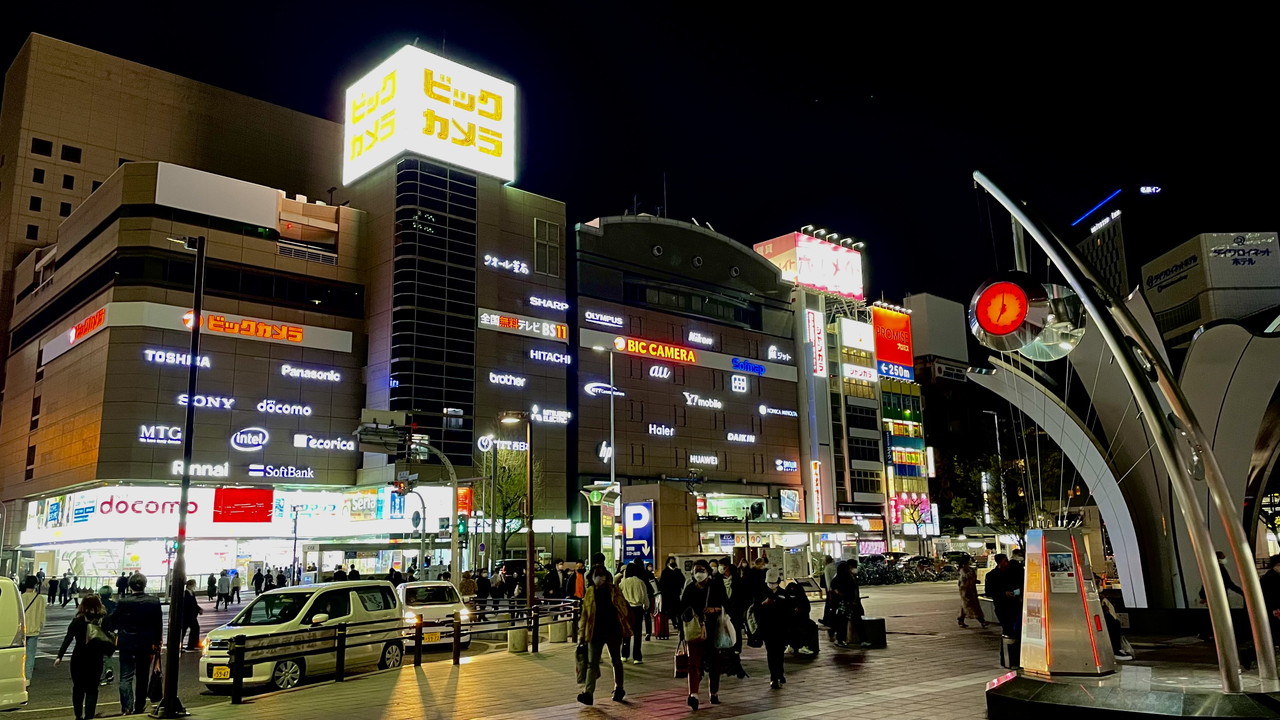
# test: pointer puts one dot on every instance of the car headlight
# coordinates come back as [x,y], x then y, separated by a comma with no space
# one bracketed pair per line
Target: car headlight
[465,613]
[411,618]
[204,647]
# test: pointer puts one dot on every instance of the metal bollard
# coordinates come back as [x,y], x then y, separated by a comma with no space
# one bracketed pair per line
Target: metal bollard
[457,637]
[577,609]
[237,669]
[341,667]
[417,642]
[534,630]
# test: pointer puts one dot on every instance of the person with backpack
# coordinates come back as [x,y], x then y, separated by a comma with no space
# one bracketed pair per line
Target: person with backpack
[605,623]
[138,624]
[86,660]
[771,616]
[34,609]
[703,600]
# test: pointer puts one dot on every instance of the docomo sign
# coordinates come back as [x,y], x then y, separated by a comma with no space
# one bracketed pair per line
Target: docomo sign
[648,348]
[112,506]
[816,334]
[810,262]
[419,102]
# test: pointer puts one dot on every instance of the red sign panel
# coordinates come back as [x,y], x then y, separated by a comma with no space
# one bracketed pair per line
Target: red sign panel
[893,337]
[242,505]
[464,500]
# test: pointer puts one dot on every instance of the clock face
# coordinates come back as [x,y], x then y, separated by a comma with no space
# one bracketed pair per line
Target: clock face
[1001,308]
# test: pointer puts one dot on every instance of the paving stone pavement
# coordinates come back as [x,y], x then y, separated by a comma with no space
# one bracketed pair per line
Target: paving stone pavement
[928,671]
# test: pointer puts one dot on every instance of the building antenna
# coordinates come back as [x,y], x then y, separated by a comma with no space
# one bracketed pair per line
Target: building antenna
[415,42]
[635,204]
[666,209]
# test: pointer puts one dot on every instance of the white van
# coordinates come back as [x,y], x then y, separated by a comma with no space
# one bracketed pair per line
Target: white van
[436,601]
[13,646]
[309,607]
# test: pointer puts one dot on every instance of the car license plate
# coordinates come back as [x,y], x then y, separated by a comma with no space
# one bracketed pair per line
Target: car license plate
[221,672]
[431,637]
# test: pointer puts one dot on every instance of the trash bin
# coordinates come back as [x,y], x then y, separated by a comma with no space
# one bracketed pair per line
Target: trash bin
[874,629]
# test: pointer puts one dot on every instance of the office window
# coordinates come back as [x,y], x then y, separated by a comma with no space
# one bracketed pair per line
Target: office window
[41,147]
[33,232]
[31,462]
[637,454]
[864,449]
[35,203]
[71,153]
[546,247]
[64,209]
[37,175]
[96,184]
[68,182]
[35,412]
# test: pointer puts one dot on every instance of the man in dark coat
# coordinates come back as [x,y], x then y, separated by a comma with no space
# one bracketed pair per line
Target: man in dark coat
[191,610]
[1004,587]
[258,581]
[138,626]
[1271,595]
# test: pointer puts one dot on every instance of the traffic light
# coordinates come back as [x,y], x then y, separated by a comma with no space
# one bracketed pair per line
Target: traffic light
[462,525]
[399,487]
[171,547]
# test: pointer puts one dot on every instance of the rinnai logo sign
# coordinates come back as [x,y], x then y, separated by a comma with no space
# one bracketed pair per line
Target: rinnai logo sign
[287,472]
[250,439]
[704,460]
[202,469]
[766,410]
[420,102]
[160,434]
[310,373]
[661,430]
[740,437]
[699,401]
[522,325]
[657,350]
[701,339]
[248,327]
[87,326]
[661,372]
[507,379]
[559,305]
[550,357]
[311,442]
[742,365]
[600,318]
[816,334]
[485,443]
[168,357]
[216,402]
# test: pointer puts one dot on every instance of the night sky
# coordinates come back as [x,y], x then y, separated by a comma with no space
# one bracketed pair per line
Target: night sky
[770,119]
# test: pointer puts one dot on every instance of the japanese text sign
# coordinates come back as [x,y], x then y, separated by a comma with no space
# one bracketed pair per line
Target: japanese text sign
[419,102]
[894,356]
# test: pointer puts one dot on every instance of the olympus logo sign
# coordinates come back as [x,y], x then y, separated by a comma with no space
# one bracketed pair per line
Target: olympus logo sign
[250,439]
[699,401]
[311,442]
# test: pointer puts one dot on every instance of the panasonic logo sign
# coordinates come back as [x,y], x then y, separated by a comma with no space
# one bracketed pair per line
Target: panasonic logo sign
[250,439]
[311,442]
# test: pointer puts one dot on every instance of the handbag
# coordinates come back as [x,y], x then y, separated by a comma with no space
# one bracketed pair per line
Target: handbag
[726,634]
[694,629]
[155,689]
[104,641]
[682,660]
[580,662]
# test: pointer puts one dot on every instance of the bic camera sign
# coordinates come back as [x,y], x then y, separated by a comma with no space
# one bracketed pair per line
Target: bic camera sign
[419,102]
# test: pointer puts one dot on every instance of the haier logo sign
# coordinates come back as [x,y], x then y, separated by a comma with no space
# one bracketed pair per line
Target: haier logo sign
[250,439]
[311,442]
[287,472]
[160,434]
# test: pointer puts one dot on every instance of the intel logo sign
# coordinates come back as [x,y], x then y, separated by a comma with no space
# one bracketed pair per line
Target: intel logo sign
[250,439]
[747,366]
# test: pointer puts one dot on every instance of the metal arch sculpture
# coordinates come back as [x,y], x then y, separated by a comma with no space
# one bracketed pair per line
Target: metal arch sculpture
[1145,371]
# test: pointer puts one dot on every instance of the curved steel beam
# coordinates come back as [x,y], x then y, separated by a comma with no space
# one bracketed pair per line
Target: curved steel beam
[1145,371]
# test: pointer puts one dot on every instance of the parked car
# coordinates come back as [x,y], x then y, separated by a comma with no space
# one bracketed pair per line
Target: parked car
[511,568]
[13,646]
[305,608]
[893,558]
[953,557]
[436,601]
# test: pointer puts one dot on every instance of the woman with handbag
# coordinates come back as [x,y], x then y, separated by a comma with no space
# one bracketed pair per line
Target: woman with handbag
[92,645]
[605,623]
[703,601]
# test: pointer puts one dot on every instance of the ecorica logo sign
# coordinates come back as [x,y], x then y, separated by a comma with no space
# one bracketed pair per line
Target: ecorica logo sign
[658,350]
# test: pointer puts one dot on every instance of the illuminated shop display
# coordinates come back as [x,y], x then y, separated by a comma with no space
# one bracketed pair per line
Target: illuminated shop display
[160,434]
[420,102]
[485,443]
[789,503]
[817,264]
[662,430]
[816,334]
[311,442]
[648,348]
[914,512]
[250,439]
[281,472]
[559,305]
[216,402]
[599,389]
[701,339]
[171,357]
[547,356]
[766,410]
[605,319]
[310,373]
[738,383]
[507,379]
[220,324]
[519,267]
[522,325]
[698,401]
[271,407]
[894,356]
[667,353]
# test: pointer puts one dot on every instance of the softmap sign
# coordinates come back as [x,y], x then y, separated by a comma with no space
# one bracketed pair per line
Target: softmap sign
[637,529]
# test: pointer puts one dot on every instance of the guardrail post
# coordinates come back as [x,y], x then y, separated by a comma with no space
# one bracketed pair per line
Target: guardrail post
[457,637]
[533,626]
[341,668]
[417,642]
[237,669]
[577,608]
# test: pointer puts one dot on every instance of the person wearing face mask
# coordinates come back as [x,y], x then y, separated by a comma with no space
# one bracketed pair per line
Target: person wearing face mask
[670,585]
[773,612]
[738,598]
[704,597]
[605,623]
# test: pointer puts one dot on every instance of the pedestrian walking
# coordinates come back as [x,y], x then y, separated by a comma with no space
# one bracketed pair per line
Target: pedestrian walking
[553,581]
[53,589]
[829,607]
[137,624]
[64,589]
[191,612]
[235,585]
[258,581]
[703,600]
[224,591]
[104,594]
[86,658]
[848,605]
[636,592]
[968,584]
[269,582]
[339,574]
[122,583]
[1004,587]
[773,611]
[34,609]
[467,587]
[280,578]
[212,587]
[670,584]
[605,624]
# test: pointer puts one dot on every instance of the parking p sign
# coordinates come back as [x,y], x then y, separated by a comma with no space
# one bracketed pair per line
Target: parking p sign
[637,531]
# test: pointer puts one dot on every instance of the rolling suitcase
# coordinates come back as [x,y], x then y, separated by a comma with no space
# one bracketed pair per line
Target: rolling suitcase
[661,628]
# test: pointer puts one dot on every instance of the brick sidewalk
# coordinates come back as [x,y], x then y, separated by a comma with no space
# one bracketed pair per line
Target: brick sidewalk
[929,671]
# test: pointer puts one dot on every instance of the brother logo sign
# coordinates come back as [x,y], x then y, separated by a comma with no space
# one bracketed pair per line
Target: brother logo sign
[250,439]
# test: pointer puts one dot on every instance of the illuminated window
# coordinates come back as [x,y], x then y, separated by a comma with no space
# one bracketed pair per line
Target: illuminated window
[546,247]
[867,449]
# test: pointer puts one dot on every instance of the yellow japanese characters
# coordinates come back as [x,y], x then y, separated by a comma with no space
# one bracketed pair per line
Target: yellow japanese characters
[419,102]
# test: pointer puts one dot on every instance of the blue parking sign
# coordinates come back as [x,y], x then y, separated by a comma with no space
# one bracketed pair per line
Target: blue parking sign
[637,531]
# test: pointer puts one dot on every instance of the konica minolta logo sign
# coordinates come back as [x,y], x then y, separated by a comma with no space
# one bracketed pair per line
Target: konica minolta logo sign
[1166,278]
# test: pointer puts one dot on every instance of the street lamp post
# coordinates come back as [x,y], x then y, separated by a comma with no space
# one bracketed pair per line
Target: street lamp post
[1004,498]
[596,540]
[510,418]
[170,706]
[297,566]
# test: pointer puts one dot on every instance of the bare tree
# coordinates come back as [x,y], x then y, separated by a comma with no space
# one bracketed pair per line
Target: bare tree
[508,494]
